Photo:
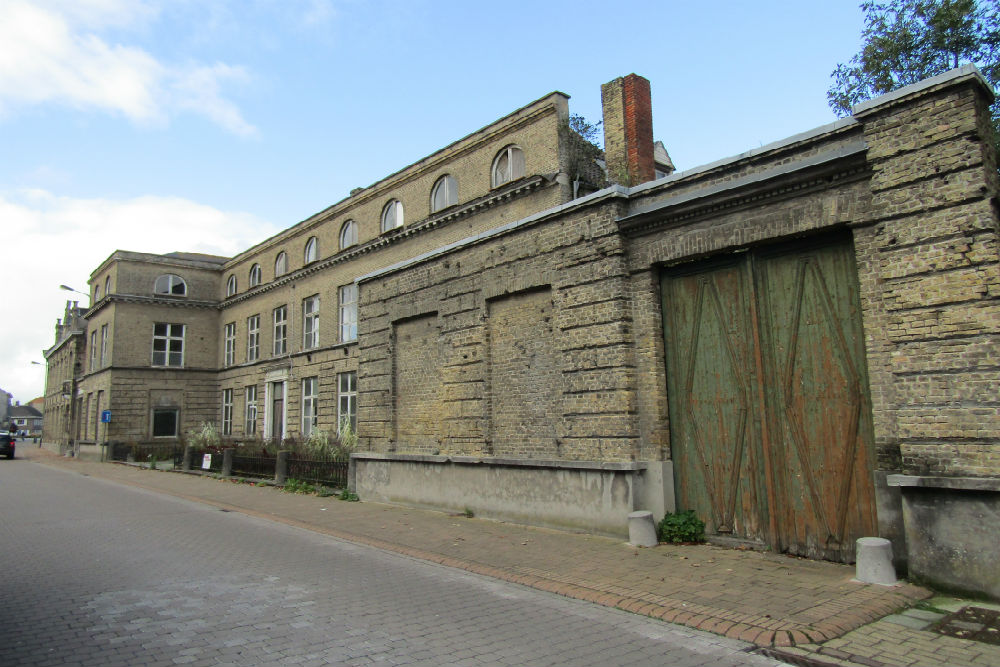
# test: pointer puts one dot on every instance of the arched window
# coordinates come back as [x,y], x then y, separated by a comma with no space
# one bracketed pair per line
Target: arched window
[508,166]
[312,250]
[97,293]
[107,286]
[170,284]
[255,275]
[444,193]
[348,234]
[281,264]
[392,215]
[231,286]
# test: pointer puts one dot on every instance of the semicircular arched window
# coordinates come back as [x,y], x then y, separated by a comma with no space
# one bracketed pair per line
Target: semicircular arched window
[231,286]
[255,275]
[392,215]
[348,234]
[507,166]
[311,253]
[280,264]
[444,193]
[170,284]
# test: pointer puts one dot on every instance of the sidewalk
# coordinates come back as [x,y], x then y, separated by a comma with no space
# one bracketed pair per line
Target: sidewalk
[803,611]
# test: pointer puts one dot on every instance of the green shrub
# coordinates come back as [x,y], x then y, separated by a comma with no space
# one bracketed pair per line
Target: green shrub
[681,527]
[349,496]
[299,486]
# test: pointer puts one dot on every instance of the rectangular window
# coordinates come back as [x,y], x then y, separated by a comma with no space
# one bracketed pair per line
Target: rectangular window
[227,412]
[310,322]
[347,401]
[348,313]
[251,414]
[253,337]
[280,330]
[104,345]
[165,423]
[309,398]
[93,350]
[230,351]
[168,344]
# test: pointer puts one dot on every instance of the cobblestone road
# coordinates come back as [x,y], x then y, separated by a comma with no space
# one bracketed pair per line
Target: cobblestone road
[95,573]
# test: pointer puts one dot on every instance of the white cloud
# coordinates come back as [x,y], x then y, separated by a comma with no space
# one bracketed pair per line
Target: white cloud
[52,54]
[55,240]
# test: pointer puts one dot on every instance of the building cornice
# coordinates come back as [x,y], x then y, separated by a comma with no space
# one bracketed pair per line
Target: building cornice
[547,105]
[502,195]
[844,164]
[174,302]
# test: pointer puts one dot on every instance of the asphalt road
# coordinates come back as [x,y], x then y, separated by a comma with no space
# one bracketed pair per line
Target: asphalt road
[96,573]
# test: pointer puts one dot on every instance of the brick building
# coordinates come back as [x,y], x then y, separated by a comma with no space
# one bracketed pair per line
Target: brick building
[799,342]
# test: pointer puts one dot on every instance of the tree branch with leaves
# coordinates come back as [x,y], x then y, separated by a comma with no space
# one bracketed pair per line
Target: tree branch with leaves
[906,41]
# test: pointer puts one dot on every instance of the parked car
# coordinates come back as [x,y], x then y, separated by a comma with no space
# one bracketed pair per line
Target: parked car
[7,444]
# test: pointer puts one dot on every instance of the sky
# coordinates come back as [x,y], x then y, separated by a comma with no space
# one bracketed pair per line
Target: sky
[210,125]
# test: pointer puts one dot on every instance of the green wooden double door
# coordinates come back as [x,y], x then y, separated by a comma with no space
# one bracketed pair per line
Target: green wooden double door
[770,416]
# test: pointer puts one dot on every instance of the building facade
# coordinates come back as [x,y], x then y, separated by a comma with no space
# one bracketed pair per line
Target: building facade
[796,342]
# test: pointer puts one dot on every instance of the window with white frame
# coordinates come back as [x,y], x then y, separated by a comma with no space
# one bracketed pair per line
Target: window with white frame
[310,322]
[253,338]
[507,166]
[170,284]
[310,396]
[280,331]
[348,234]
[348,312]
[93,350]
[231,286]
[104,345]
[255,275]
[444,193]
[229,353]
[392,215]
[168,344]
[97,293]
[311,253]
[347,401]
[250,428]
[280,264]
[227,412]
[107,286]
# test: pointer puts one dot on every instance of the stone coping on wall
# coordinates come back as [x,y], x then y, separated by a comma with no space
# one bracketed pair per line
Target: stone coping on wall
[957,483]
[503,462]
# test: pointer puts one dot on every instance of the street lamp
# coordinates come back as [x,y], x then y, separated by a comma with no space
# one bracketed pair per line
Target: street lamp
[70,289]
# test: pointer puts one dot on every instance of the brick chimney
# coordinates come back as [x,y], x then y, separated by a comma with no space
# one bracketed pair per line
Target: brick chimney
[628,130]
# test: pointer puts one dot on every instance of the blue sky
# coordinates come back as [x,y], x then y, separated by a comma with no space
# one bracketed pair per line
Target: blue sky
[209,125]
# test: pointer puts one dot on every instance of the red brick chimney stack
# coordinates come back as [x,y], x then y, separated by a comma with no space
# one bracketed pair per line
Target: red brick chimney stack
[628,130]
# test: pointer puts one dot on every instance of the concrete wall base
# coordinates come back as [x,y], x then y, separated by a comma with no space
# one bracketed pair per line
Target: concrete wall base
[577,495]
[952,525]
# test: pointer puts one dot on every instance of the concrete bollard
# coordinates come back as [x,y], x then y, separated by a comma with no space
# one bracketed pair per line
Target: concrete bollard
[281,467]
[227,462]
[186,460]
[641,529]
[874,561]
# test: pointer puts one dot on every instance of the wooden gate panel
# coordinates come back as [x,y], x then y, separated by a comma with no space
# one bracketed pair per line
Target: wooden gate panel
[770,420]
[713,435]
[818,408]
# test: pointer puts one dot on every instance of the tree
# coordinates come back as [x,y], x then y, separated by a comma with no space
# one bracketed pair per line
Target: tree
[909,40]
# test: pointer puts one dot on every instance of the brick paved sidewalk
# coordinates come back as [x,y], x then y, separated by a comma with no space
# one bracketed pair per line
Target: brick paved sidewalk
[767,599]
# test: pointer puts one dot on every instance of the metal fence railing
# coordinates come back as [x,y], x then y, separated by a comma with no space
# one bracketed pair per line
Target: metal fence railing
[329,472]
[142,452]
[253,466]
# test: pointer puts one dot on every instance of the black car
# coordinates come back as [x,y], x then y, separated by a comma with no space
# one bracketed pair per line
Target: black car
[7,444]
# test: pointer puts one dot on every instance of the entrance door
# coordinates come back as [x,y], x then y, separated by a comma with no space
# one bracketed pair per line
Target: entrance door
[770,420]
[277,410]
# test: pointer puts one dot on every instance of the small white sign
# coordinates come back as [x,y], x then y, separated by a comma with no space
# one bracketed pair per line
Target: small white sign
[206,462]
